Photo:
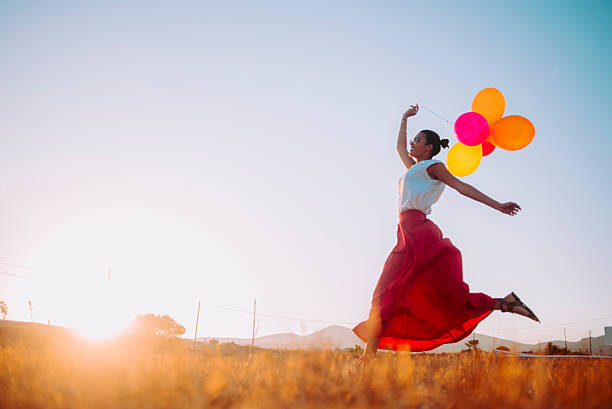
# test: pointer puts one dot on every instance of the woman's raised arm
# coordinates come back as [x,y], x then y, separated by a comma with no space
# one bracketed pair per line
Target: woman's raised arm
[402,144]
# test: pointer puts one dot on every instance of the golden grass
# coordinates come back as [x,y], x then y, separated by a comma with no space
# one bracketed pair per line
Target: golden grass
[137,373]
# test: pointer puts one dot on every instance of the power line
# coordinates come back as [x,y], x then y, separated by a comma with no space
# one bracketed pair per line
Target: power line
[31,268]
[18,275]
[324,321]
[283,316]
[16,265]
[333,322]
[352,323]
[549,326]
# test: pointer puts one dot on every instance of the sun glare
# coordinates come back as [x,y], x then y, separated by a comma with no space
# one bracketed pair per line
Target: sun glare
[99,331]
[102,315]
[101,319]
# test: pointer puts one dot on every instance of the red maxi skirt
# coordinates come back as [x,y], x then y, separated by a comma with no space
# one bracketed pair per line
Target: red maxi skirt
[420,301]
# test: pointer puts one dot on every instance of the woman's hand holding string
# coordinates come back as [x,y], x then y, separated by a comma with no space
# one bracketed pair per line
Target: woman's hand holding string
[411,112]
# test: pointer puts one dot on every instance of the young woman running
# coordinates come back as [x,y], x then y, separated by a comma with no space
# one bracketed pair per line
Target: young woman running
[421,301]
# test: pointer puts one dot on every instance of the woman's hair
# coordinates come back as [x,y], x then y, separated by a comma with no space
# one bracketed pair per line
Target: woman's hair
[432,138]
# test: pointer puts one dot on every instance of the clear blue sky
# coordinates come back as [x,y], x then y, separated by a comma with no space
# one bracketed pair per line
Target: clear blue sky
[222,152]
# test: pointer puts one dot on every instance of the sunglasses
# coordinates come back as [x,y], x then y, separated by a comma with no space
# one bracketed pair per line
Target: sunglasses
[415,140]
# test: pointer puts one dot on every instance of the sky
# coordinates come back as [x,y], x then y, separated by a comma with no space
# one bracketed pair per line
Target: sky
[223,152]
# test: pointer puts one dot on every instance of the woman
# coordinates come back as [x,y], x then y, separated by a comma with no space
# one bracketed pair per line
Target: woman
[420,301]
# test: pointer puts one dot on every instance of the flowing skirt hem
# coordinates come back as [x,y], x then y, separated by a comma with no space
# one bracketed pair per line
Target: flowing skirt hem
[455,334]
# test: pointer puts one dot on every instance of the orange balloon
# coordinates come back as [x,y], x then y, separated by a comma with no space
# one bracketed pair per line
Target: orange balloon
[490,103]
[512,133]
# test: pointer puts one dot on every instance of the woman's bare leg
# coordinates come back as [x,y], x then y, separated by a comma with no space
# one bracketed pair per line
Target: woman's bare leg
[371,347]
[373,328]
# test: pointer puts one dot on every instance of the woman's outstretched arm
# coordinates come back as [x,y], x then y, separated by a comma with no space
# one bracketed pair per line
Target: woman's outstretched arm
[402,144]
[439,171]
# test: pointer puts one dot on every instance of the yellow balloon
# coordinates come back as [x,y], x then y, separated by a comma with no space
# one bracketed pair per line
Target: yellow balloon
[490,103]
[512,133]
[463,159]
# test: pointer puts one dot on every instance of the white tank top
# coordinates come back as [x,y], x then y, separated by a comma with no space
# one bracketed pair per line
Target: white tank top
[417,190]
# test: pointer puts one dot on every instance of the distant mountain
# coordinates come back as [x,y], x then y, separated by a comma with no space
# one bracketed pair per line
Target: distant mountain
[334,336]
[337,336]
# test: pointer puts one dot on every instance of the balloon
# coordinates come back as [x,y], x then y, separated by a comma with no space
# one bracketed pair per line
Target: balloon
[490,103]
[471,128]
[512,133]
[463,159]
[487,147]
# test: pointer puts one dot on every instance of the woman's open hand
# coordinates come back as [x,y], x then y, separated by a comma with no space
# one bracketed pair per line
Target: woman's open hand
[510,208]
[412,111]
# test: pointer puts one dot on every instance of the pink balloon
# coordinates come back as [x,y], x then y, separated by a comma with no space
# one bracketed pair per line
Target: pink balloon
[471,128]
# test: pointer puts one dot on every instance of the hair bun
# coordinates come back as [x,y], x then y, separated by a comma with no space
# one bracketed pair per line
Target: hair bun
[444,143]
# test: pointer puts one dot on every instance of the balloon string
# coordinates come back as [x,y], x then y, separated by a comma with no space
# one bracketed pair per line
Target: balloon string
[436,114]
[450,124]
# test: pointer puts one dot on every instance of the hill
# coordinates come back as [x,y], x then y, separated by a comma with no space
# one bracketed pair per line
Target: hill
[337,336]
[332,337]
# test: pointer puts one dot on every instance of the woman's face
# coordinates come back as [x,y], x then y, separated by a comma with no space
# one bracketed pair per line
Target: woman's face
[418,147]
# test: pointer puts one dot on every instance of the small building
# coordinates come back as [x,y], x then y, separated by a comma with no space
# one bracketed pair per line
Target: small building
[608,335]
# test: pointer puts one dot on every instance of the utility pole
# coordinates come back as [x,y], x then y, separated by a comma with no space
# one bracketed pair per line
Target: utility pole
[565,340]
[254,308]
[538,345]
[590,346]
[30,305]
[195,335]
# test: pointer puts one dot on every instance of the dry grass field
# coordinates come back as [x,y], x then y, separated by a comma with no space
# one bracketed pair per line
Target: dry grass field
[55,369]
